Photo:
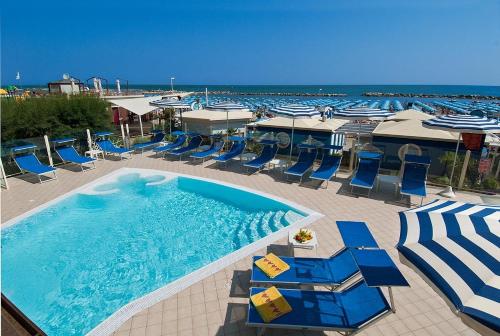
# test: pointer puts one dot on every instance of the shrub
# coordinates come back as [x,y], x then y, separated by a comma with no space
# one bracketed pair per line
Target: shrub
[490,183]
[53,115]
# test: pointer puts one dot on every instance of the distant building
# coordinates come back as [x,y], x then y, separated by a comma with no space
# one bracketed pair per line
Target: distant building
[67,85]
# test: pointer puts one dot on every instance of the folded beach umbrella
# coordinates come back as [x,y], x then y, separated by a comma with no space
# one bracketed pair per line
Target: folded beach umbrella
[461,124]
[295,111]
[456,246]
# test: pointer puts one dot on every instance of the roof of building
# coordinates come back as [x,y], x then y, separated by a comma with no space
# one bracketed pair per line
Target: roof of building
[330,125]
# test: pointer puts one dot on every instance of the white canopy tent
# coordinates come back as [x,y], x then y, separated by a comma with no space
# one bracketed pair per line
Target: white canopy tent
[139,106]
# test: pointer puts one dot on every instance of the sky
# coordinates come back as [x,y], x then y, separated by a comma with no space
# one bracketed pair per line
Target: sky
[288,42]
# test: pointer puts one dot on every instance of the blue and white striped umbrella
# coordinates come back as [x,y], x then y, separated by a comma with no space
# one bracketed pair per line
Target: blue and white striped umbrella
[463,124]
[170,103]
[226,106]
[363,114]
[296,111]
[457,246]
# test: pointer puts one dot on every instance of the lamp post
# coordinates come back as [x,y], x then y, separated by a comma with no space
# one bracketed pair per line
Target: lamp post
[172,84]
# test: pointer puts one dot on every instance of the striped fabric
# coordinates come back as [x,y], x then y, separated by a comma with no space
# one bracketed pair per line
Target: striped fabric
[227,106]
[337,139]
[463,124]
[296,111]
[457,246]
[363,114]
[170,103]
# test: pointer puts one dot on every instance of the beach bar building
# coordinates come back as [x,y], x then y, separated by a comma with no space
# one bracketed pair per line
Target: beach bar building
[394,137]
[215,122]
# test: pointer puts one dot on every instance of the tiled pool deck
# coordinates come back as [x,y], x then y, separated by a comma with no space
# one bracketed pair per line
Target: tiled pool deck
[217,305]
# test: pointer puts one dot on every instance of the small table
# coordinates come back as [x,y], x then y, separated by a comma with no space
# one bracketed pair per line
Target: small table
[309,245]
[388,179]
[94,153]
[248,157]
[278,163]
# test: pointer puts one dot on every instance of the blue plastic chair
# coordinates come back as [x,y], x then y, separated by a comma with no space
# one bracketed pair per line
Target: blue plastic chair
[157,139]
[237,149]
[367,171]
[305,161]
[179,141]
[69,154]
[29,163]
[266,155]
[108,148]
[329,165]
[193,144]
[214,148]
[331,272]
[413,182]
[348,311]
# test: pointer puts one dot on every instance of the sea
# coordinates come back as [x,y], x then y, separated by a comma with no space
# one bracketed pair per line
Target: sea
[351,91]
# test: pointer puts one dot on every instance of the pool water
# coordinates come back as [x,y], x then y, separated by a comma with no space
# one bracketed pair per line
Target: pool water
[74,263]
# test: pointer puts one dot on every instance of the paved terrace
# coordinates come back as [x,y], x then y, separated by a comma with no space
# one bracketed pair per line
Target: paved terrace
[217,305]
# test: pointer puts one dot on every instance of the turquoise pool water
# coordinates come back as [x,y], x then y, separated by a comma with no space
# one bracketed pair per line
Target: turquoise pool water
[71,265]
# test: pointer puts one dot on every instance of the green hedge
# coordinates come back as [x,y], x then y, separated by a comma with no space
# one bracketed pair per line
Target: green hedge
[52,115]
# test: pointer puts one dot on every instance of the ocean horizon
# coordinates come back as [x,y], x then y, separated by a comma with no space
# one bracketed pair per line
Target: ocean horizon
[349,90]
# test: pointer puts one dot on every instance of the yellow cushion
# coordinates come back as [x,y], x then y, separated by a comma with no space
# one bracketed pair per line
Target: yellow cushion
[270,304]
[272,265]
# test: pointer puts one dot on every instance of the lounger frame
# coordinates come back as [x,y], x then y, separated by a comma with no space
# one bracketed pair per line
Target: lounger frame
[363,187]
[76,163]
[24,171]
[261,327]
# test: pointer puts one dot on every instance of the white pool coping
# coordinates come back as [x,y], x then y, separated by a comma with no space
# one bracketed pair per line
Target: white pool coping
[113,322]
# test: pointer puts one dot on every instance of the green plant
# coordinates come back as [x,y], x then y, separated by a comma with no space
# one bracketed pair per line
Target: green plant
[442,180]
[53,115]
[141,139]
[490,183]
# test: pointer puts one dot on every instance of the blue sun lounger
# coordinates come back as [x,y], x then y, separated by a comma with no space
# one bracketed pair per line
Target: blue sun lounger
[156,140]
[29,163]
[179,142]
[305,161]
[214,149]
[367,171]
[266,155]
[347,312]
[68,153]
[329,165]
[237,149]
[193,144]
[108,147]
[331,272]
[413,182]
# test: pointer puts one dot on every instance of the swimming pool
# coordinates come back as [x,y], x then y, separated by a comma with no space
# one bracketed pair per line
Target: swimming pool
[112,248]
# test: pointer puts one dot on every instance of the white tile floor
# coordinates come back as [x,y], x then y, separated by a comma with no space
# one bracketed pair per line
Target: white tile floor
[217,305]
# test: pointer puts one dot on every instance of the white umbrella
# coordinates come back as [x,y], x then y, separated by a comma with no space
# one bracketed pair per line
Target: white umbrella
[96,85]
[461,124]
[118,87]
[295,111]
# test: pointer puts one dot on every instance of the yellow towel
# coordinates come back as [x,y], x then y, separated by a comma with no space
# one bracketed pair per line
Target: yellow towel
[272,265]
[270,304]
